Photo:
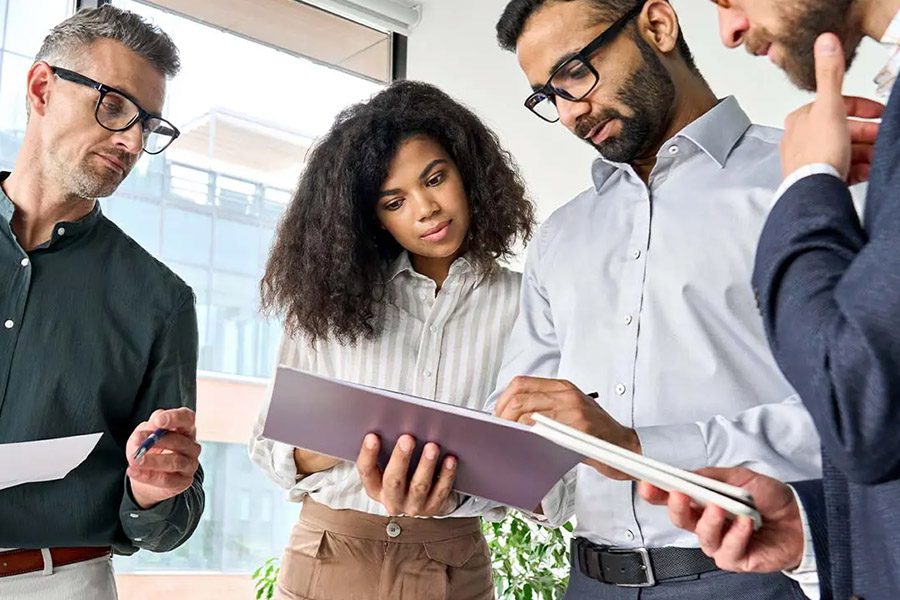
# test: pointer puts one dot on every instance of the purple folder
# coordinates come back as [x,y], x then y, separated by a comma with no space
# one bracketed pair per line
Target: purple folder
[498,460]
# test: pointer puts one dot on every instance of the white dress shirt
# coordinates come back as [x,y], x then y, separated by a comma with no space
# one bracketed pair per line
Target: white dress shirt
[445,347]
[644,296]
[888,75]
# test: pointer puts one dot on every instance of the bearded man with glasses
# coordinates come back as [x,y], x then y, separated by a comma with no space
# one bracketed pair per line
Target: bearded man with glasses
[95,334]
[639,289]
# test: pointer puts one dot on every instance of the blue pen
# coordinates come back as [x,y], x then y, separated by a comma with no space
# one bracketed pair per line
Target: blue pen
[149,442]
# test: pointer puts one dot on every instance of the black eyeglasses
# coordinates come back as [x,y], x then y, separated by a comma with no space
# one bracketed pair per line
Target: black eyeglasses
[576,77]
[117,111]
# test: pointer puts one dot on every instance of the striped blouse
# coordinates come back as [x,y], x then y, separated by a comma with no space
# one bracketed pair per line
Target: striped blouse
[445,346]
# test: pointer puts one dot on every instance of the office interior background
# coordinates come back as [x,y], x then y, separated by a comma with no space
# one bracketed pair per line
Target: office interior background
[261,80]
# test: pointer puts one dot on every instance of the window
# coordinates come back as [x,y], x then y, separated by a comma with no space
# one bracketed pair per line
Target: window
[23,25]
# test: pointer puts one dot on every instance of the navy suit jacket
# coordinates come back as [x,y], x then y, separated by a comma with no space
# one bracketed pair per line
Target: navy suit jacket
[829,291]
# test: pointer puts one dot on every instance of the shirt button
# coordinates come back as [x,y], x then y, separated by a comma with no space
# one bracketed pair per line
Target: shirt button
[133,515]
[9,324]
[427,373]
[636,254]
[620,389]
[673,150]
[422,295]
[61,231]
[393,530]
[139,539]
[628,319]
[629,535]
[25,262]
[433,329]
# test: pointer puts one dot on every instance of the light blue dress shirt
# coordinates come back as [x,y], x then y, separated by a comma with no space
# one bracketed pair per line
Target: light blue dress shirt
[643,295]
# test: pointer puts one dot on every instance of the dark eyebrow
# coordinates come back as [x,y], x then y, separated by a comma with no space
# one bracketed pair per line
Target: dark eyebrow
[430,166]
[422,175]
[562,60]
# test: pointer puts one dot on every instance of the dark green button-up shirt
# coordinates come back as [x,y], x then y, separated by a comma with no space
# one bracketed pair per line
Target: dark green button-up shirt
[95,334]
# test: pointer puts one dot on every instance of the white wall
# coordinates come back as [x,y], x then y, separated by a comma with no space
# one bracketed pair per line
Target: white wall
[454,47]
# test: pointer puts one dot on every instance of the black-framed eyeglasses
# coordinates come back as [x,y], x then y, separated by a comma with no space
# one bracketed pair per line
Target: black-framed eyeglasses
[576,77]
[117,111]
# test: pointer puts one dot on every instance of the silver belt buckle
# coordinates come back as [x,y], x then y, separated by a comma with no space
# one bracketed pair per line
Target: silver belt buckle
[647,566]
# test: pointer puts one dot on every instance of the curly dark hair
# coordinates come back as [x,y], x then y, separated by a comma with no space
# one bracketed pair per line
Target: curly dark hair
[326,269]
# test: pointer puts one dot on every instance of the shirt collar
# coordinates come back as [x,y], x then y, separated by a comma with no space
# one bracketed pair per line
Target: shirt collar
[402,264]
[64,229]
[891,35]
[716,133]
[888,75]
[7,208]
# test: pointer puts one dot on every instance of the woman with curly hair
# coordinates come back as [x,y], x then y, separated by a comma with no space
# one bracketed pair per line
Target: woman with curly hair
[385,268]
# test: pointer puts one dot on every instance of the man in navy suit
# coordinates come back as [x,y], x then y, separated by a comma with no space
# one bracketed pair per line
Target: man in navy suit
[829,292]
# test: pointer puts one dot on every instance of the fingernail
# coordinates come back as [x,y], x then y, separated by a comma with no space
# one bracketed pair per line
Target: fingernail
[163,420]
[371,441]
[450,463]
[826,45]
[405,445]
[430,452]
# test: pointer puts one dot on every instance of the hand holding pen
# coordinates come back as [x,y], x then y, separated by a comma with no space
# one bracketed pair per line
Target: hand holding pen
[562,401]
[149,443]
[163,456]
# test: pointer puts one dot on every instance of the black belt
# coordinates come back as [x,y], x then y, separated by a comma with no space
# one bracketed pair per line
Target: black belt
[638,567]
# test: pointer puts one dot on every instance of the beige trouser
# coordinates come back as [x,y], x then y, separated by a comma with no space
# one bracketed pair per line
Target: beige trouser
[351,555]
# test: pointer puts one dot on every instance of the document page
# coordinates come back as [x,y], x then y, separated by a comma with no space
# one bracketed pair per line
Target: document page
[43,460]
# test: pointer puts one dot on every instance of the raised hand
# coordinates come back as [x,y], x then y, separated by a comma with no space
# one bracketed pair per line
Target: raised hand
[827,130]
[168,468]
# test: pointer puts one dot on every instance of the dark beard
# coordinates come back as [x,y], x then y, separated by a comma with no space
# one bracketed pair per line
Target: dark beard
[805,25]
[650,94]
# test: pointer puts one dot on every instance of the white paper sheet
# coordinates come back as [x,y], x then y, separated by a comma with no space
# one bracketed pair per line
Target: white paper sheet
[43,460]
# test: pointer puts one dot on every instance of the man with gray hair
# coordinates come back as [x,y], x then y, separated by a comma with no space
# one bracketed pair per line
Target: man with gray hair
[96,335]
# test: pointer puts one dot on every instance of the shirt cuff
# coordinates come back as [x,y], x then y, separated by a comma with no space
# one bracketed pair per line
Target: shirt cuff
[473,506]
[806,574]
[131,510]
[803,173]
[147,527]
[284,465]
[557,505]
[681,446]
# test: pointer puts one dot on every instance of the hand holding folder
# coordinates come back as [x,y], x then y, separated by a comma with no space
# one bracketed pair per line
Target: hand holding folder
[507,462]
[496,459]
[702,490]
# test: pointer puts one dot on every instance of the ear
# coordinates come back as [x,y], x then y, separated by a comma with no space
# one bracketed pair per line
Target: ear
[37,87]
[658,25]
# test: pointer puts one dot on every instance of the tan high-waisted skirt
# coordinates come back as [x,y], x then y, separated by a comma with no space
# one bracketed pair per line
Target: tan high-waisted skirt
[352,555]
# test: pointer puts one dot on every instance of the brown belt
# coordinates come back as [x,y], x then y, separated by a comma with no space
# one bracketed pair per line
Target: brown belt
[18,562]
